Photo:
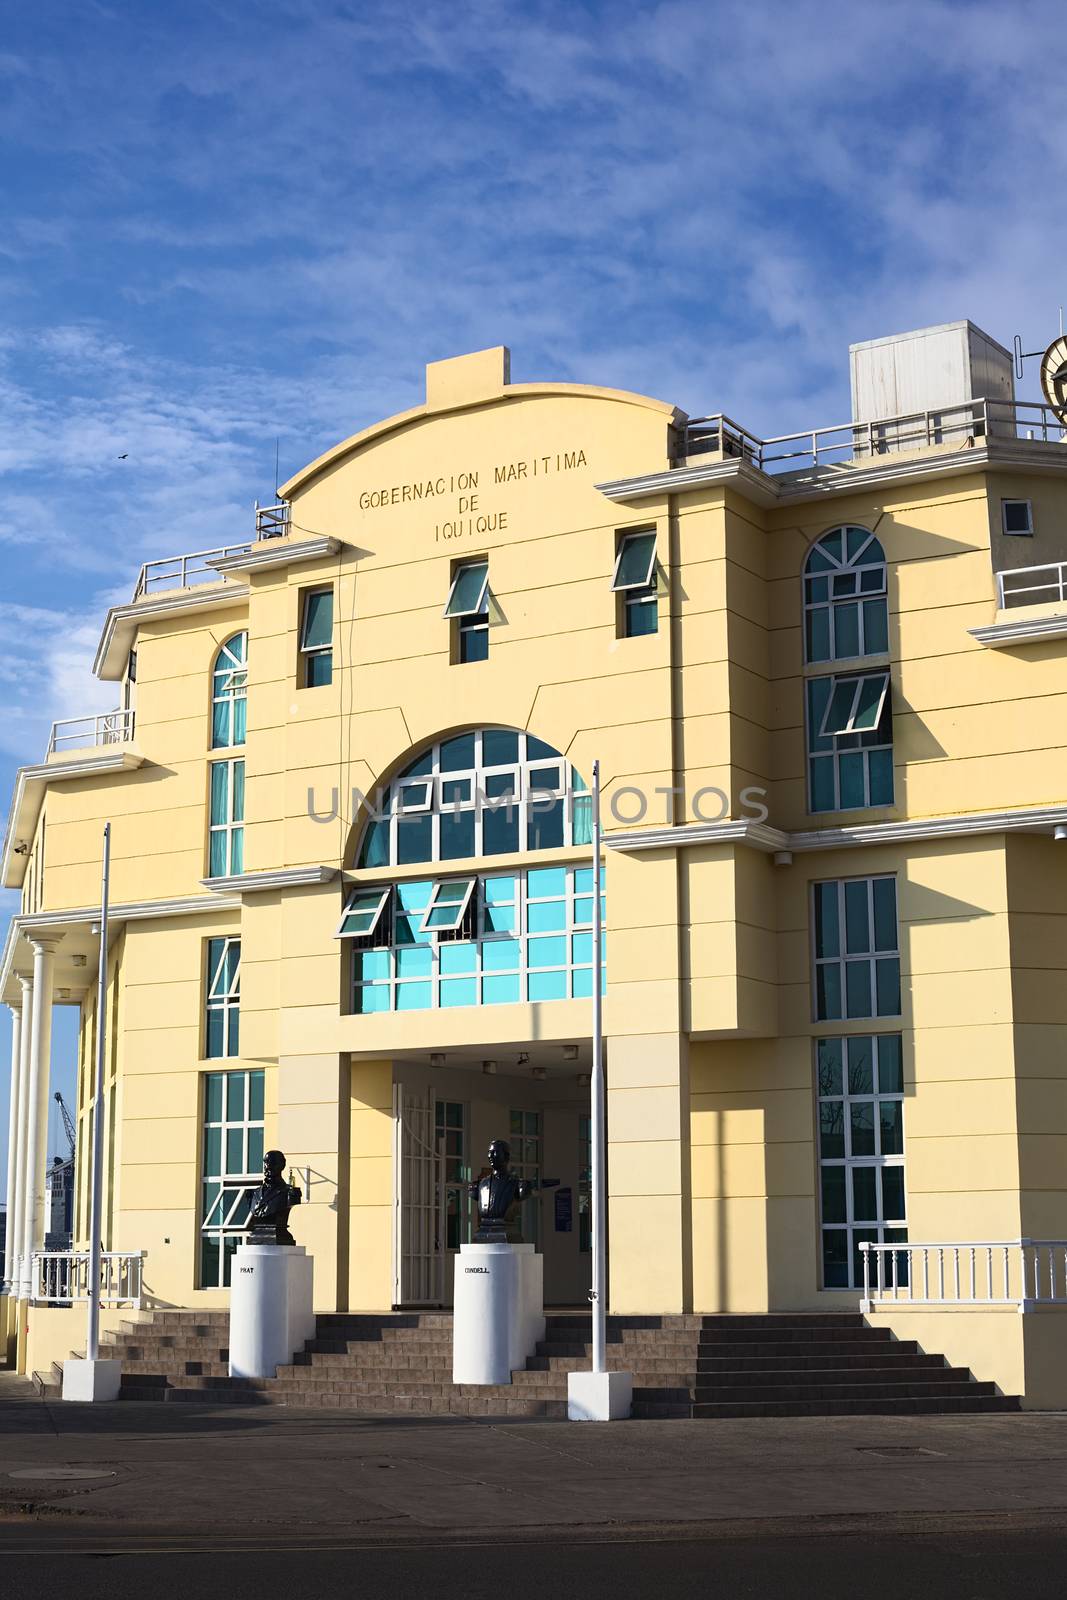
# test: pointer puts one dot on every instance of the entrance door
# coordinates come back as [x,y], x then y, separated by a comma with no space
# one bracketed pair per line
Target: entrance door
[453,1188]
[416,1258]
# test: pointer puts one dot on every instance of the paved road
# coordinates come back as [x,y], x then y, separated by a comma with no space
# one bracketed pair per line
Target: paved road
[951,1565]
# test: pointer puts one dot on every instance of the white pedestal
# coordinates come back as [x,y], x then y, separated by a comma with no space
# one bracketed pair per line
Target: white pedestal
[271,1300]
[87,1381]
[499,1311]
[599,1396]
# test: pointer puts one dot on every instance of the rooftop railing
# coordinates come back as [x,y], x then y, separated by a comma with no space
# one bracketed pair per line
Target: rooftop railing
[182,572]
[272,522]
[851,441]
[85,733]
[1032,586]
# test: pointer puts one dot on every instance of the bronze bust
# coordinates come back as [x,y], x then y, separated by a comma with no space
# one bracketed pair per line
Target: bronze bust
[268,1220]
[497,1196]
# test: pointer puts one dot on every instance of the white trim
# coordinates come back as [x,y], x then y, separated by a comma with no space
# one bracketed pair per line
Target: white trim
[276,554]
[1032,630]
[30,784]
[1016,533]
[761,836]
[475,610]
[122,622]
[358,892]
[458,908]
[635,583]
[241,883]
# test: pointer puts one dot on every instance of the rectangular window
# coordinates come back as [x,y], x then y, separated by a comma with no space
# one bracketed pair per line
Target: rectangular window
[468,607]
[526,1133]
[223,1005]
[450,1127]
[634,581]
[231,1167]
[850,742]
[857,954]
[316,638]
[226,834]
[1017,517]
[860,1100]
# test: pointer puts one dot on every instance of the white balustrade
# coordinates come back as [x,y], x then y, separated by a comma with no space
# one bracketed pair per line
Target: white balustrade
[61,1277]
[1024,1273]
[182,572]
[1032,586]
[83,733]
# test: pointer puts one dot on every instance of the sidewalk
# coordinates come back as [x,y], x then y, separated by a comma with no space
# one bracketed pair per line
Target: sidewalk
[246,1474]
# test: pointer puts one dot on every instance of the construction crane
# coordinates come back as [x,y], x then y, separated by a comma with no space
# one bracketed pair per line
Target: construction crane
[68,1126]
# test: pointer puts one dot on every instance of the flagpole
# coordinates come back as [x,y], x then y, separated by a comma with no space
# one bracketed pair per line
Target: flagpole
[96,1173]
[598,1176]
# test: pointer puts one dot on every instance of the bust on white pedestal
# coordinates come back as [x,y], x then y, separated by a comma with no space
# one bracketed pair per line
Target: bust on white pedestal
[272,1282]
[498,1311]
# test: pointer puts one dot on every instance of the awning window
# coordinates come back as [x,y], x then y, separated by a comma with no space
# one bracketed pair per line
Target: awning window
[362,912]
[467,596]
[447,906]
[855,704]
[635,561]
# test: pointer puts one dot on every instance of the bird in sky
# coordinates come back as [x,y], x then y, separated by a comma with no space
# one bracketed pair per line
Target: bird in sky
[123,457]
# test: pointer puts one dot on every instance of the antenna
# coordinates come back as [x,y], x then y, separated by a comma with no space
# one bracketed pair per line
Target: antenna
[277,439]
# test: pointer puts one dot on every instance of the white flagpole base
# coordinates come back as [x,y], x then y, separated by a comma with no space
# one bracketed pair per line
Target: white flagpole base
[599,1396]
[88,1381]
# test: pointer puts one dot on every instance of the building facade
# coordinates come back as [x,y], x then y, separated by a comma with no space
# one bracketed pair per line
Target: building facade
[352,875]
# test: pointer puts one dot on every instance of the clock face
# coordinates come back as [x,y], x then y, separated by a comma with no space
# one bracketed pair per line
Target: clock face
[1054,376]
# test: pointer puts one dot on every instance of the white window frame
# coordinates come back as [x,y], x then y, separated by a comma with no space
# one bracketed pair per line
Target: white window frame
[619,587]
[229,691]
[482,605]
[404,807]
[871,956]
[1016,533]
[435,903]
[826,732]
[306,651]
[242,1183]
[856,596]
[363,892]
[864,744]
[231,826]
[226,1000]
[873,1232]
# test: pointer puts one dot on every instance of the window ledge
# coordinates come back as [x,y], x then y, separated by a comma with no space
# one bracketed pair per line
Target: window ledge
[264,882]
[878,660]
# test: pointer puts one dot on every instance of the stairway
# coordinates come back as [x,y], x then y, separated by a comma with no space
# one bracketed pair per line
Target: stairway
[776,1365]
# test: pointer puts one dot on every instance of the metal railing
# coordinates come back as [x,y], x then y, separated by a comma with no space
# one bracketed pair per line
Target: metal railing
[1030,586]
[272,522]
[850,441]
[1006,1272]
[83,733]
[61,1277]
[182,572]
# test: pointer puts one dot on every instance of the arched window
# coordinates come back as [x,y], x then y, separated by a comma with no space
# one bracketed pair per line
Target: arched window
[845,609]
[229,693]
[489,792]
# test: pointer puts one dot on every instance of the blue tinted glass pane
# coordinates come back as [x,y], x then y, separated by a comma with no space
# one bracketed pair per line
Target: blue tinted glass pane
[546,882]
[319,670]
[421,767]
[818,694]
[830,545]
[548,986]
[538,750]
[827,935]
[499,786]
[881,769]
[500,831]
[548,952]
[498,889]
[499,919]
[375,850]
[255,1097]
[582,819]
[855,539]
[818,640]
[457,835]
[414,996]
[501,955]
[473,644]
[414,896]
[459,992]
[237,850]
[835,1258]
[544,826]
[376,998]
[458,958]
[220,724]
[850,769]
[500,747]
[233,1043]
[887,980]
[255,1149]
[885,914]
[414,962]
[238,799]
[833,1194]
[370,964]
[235,1150]
[581,948]
[875,626]
[822,783]
[828,993]
[831,1128]
[891,1136]
[546,916]
[642,617]
[583,880]
[215,1044]
[213,1152]
[240,720]
[235,1096]
[414,839]
[817,590]
[858,989]
[890,1066]
[828,1060]
[457,755]
[220,788]
[213,1097]
[861,1066]
[318,619]
[499,990]
[892,1179]
[582,983]
[857,923]
[846,630]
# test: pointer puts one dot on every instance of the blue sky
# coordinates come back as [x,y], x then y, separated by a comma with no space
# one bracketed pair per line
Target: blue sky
[225,223]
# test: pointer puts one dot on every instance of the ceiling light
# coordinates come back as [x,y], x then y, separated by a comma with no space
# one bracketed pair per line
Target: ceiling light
[537,1072]
[489,1067]
[437,1058]
[570,1052]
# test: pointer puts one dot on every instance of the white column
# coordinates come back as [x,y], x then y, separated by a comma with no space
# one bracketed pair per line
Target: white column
[33,1225]
[16,1232]
[12,1145]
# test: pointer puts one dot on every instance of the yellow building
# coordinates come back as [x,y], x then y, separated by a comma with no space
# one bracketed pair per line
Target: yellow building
[352,877]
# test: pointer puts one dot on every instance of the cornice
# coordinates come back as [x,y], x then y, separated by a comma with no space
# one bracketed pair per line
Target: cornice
[270,553]
[30,784]
[243,883]
[122,622]
[774,841]
[1028,630]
